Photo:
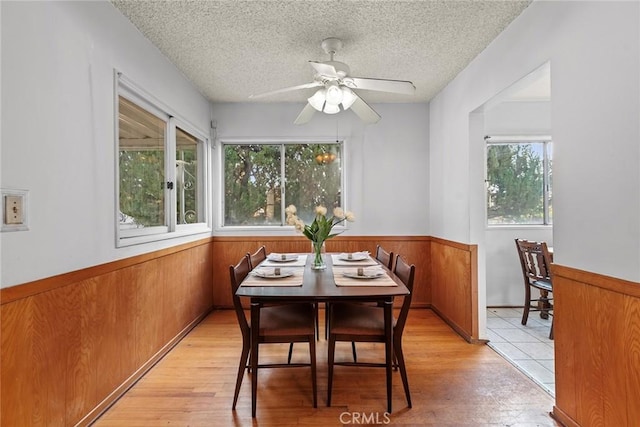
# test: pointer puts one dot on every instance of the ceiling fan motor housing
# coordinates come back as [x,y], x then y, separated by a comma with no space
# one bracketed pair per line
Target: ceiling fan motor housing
[331,45]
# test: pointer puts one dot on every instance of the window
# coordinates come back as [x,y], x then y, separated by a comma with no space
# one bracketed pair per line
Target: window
[162,171]
[519,182]
[261,179]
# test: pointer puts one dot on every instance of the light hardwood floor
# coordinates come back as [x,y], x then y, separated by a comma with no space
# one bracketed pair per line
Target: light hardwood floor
[453,383]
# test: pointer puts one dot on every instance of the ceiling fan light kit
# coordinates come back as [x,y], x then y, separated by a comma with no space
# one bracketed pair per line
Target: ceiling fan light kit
[336,88]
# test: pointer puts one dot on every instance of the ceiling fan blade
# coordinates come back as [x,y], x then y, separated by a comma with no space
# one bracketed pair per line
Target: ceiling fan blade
[364,111]
[382,85]
[287,89]
[323,69]
[305,115]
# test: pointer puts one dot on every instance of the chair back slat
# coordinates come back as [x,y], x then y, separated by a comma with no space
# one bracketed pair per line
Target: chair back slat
[534,260]
[257,257]
[237,274]
[385,258]
[406,274]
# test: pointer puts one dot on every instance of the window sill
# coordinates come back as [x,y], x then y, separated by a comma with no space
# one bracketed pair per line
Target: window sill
[139,240]
[519,227]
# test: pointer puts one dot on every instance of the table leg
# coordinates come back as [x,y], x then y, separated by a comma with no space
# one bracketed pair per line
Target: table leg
[255,329]
[388,332]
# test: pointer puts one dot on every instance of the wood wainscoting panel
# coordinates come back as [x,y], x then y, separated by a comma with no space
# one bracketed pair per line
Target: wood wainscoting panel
[597,349]
[454,285]
[228,251]
[71,348]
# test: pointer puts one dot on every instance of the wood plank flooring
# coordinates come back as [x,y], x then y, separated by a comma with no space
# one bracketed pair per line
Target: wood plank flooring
[453,383]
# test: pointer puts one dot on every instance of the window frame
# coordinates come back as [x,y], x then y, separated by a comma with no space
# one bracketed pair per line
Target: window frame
[130,91]
[547,142]
[282,141]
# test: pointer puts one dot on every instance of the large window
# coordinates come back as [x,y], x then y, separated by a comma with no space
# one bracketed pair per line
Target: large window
[519,182]
[162,169]
[260,180]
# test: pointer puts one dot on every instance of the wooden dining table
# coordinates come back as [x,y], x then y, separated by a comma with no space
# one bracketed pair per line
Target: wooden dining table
[314,286]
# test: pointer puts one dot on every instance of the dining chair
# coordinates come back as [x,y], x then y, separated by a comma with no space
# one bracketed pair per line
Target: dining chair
[257,257]
[365,323]
[535,261]
[254,260]
[385,258]
[282,323]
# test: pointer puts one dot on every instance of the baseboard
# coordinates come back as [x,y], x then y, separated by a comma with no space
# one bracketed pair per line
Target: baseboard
[136,376]
[468,338]
[561,417]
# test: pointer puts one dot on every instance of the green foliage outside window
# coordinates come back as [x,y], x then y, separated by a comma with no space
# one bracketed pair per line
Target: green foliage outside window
[141,191]
[255,176]
[516,184]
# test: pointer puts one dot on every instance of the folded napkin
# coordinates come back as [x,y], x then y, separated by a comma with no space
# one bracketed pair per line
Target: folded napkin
[371,276]
[270,261]
[357,258]
[266,276]
[375,270]
[274,256]
[355,255]
[272,272]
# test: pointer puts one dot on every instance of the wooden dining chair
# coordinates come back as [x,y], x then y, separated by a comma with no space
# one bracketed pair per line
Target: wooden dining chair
[282,323]
[385,258]
[254,260]
[257,257]
[365,323]
[535,262]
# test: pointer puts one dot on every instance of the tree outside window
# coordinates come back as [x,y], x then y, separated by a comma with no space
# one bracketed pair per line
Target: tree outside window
[260,180]
[519,183]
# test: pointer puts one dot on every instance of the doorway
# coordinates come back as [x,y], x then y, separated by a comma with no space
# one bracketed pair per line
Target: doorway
[516,129]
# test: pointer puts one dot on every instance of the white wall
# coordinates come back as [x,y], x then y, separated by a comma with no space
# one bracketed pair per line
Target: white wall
[58,60]
[387,163]
[518,118]
[593,48]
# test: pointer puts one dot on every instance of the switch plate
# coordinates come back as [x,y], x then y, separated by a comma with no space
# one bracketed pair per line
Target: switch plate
[14,210]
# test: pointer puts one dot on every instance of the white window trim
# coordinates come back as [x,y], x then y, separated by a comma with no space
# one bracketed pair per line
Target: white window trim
[128,237]
[275,229]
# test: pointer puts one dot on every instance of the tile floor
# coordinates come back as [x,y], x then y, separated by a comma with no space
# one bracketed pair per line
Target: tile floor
[527,347]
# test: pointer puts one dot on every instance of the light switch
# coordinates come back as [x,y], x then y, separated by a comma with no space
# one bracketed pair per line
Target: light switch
[14,210]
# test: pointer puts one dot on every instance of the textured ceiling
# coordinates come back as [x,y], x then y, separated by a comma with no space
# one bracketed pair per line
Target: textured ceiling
[232,49]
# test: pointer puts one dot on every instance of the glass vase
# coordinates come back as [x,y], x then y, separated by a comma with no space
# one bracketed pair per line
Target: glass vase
[317,249]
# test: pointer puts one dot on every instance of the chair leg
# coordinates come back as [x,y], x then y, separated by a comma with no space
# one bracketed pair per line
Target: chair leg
[312,356]
[403,370]
[551,331]
[326,320]
[243,365]
[290,353]
[527,305]
[316,308]
[330,359]
[353,350]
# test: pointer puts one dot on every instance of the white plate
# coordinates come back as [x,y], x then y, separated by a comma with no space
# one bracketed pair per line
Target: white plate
[287,258]
[269,274]
[354,257]
[365,275]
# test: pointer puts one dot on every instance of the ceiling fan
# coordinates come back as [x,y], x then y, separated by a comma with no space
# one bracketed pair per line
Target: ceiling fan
[337,88]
